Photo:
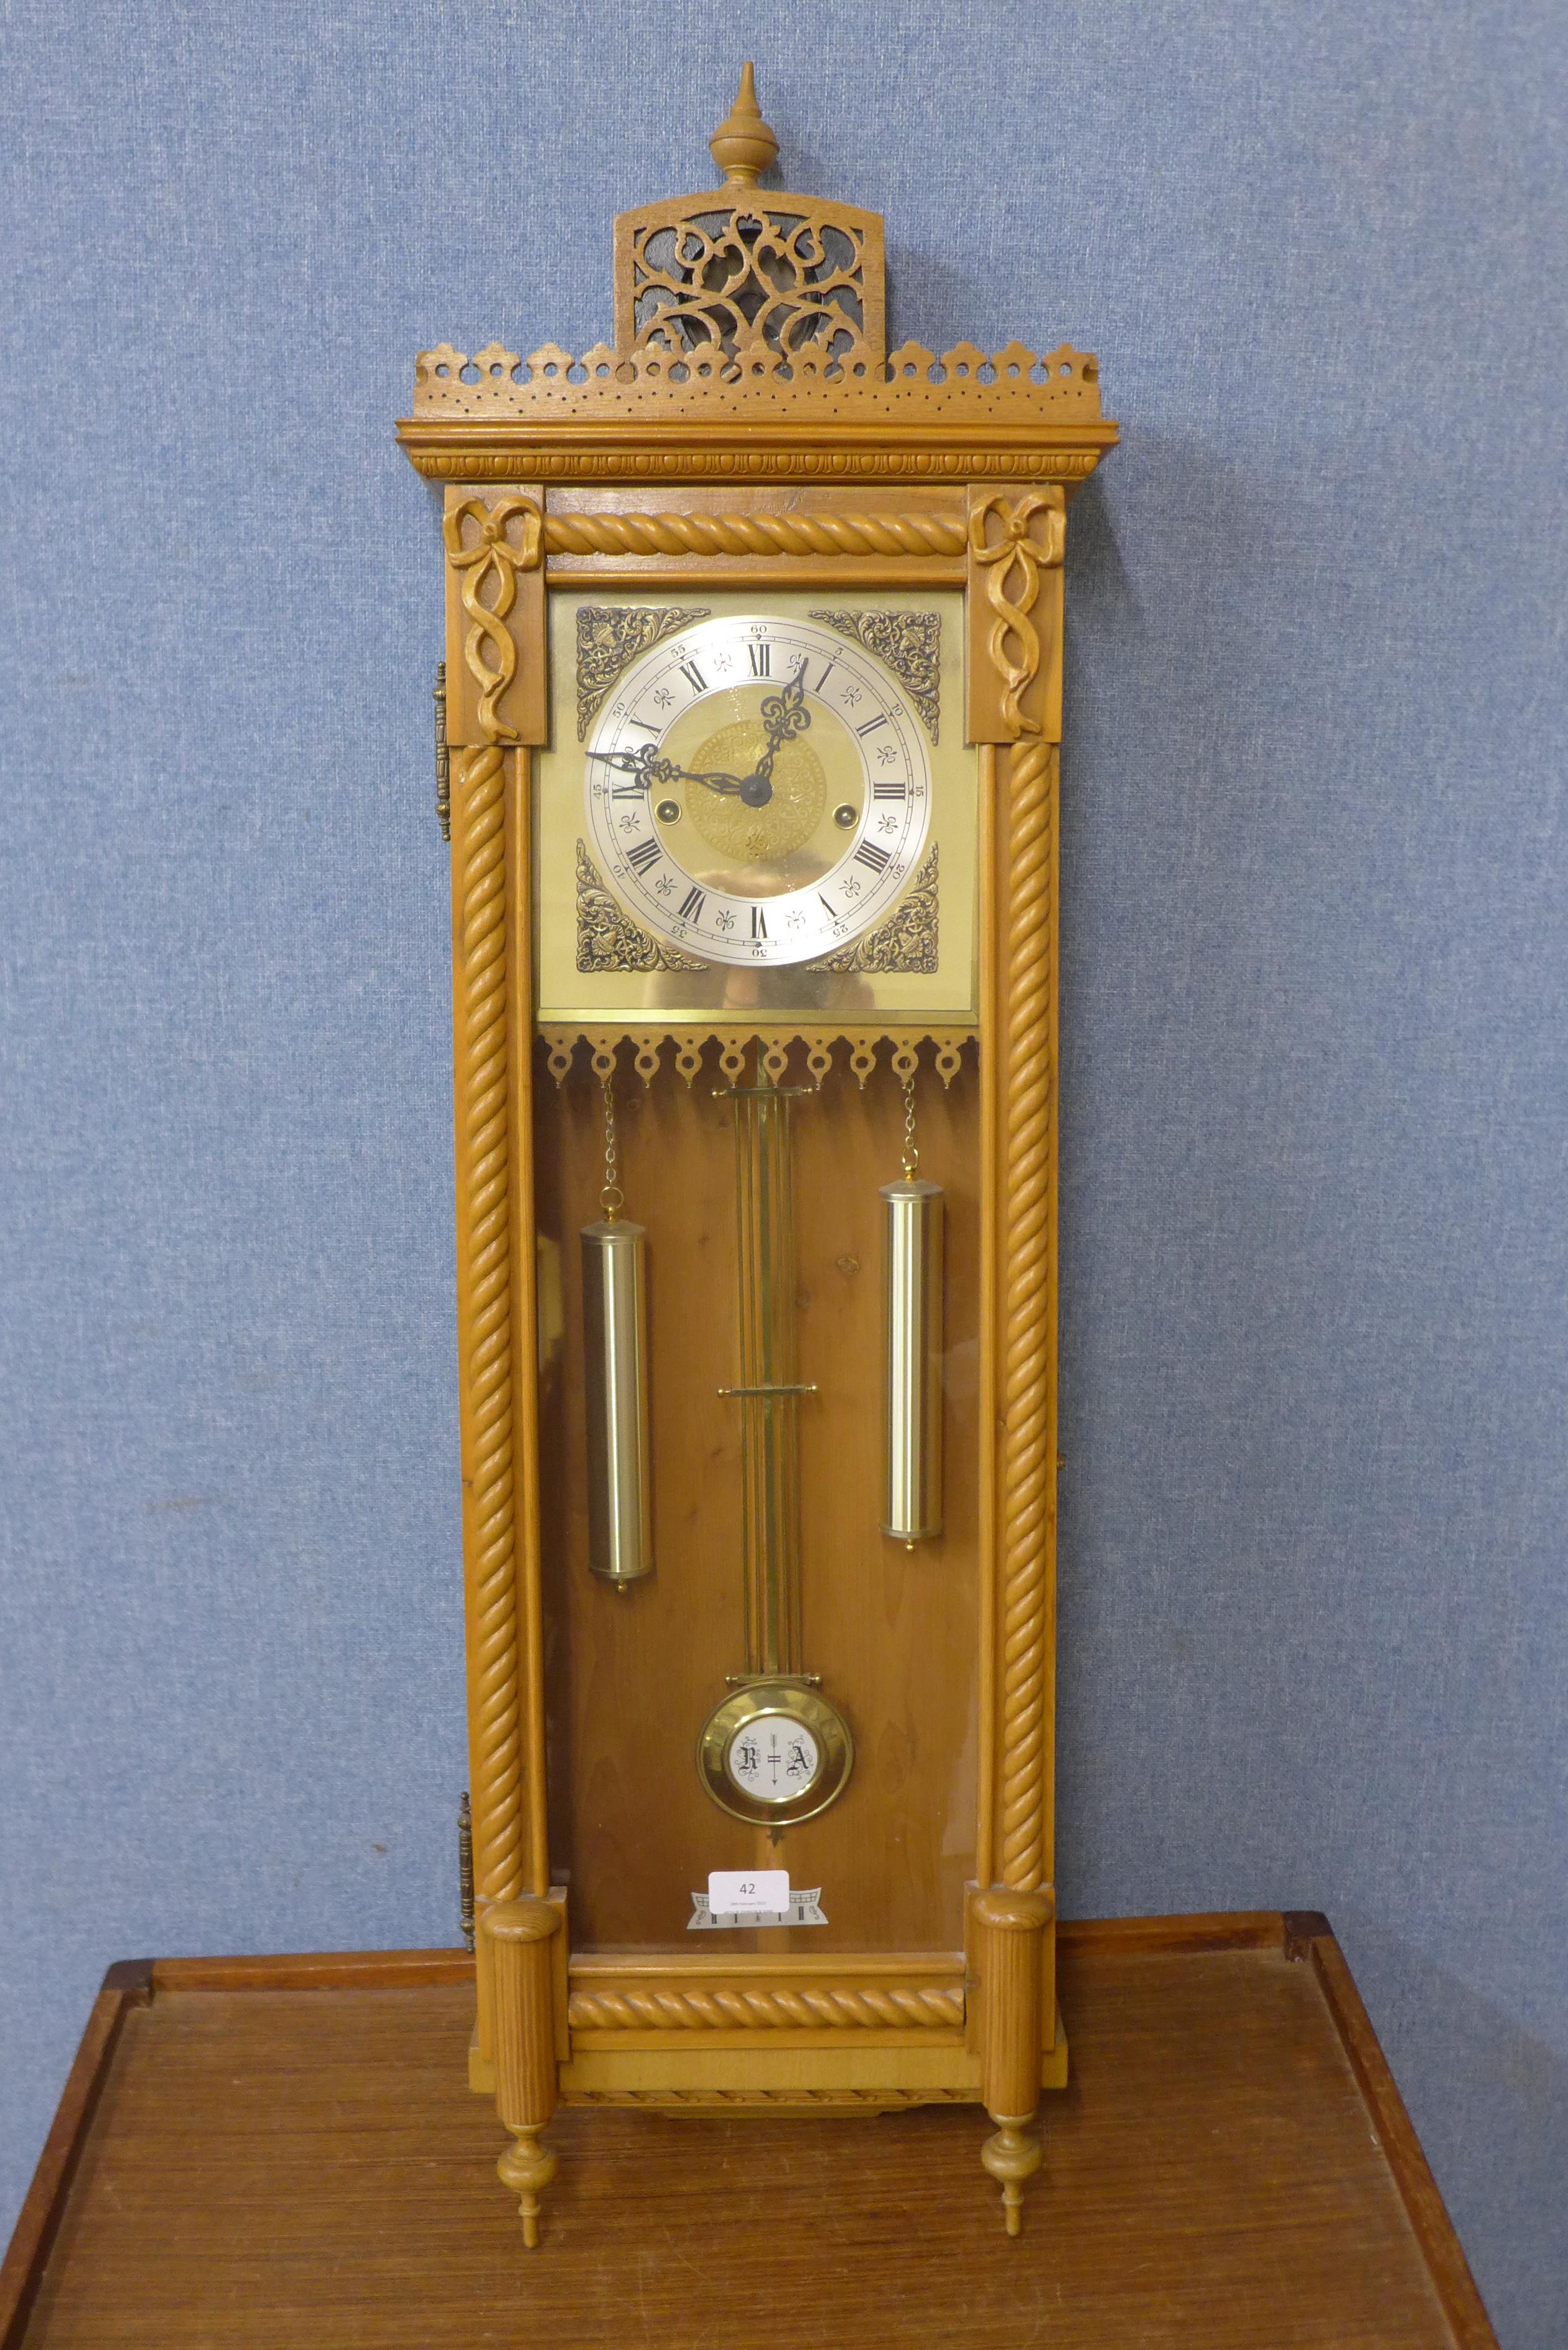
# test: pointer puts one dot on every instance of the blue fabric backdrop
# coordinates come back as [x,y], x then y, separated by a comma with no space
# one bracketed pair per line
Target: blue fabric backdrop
[1313,1281]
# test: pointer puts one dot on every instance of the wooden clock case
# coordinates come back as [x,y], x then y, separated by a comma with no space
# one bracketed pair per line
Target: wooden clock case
[771,448]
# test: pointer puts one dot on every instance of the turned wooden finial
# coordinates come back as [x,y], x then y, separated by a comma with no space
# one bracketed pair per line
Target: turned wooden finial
[742,146]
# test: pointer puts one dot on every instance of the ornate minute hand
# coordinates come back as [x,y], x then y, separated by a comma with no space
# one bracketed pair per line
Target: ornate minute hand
[785,715]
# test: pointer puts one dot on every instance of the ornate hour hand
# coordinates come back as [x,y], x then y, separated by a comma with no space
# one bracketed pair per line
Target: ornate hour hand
[785,715]
[727,785]
[644,763]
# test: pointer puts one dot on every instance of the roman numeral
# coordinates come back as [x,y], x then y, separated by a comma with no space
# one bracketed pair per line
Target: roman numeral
[645,725]
[872,723]
[826,673]
[643,855]
[761,659]
[694,677]
[886,791]
[759,923]
[627,791]
[831,911]
[692,903]
[869,854]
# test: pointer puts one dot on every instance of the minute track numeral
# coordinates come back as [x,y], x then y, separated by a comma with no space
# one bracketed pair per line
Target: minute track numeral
[645,853]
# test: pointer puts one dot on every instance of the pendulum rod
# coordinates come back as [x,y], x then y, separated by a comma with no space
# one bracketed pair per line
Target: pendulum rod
[768,1390]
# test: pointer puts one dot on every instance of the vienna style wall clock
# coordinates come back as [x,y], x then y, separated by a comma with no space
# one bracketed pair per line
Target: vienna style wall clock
[752,694]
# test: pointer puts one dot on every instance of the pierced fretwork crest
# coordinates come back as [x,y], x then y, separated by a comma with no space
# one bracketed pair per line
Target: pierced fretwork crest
[763,279]
[755,280]
[611,636]
[746,310]
[911,645]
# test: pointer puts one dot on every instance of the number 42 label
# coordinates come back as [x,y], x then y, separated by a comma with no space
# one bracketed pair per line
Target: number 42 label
[754,1896]
[747,1888]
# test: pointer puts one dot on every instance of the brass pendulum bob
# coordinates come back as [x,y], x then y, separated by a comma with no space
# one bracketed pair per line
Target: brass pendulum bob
[615,1350]
[913,1307]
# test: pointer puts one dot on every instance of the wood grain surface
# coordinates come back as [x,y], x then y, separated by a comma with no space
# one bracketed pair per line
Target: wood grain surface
[633,1674]
[1231,2168]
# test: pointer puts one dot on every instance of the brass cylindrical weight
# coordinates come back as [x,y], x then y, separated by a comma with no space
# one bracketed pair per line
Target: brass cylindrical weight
[912,1261]
[615,1348]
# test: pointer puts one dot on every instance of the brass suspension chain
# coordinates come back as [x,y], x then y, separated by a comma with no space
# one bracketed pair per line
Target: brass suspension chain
[612,1199]
[911,1149]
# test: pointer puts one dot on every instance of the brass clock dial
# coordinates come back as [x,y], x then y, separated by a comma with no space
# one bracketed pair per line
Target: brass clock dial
[757,791]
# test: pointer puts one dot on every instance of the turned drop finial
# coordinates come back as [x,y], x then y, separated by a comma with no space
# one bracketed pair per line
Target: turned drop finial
[742,146]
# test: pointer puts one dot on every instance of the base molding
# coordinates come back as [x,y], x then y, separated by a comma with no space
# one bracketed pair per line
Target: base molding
[807,2076]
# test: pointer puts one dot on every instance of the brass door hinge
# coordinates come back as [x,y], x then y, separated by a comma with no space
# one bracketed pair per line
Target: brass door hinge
[442,761]
[465,1871]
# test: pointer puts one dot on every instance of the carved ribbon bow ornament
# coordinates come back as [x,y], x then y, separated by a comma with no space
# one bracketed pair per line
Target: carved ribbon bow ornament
[492,560]
[1013,563]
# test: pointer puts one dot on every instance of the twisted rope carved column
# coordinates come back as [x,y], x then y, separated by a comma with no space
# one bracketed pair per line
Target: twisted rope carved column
[1015,549]
[496,1759]
[673,534]
[779,2010]
[1028,1439]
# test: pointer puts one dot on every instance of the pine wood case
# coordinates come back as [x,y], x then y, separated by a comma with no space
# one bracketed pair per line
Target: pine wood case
[936,1977]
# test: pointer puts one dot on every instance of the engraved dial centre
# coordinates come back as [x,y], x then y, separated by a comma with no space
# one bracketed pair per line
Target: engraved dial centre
[749,835]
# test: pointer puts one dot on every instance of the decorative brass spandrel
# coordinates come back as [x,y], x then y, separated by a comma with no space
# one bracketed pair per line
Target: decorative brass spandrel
[910,972]
[495,683]
[609,636]
[607,938]
[910,937]
[910,643]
